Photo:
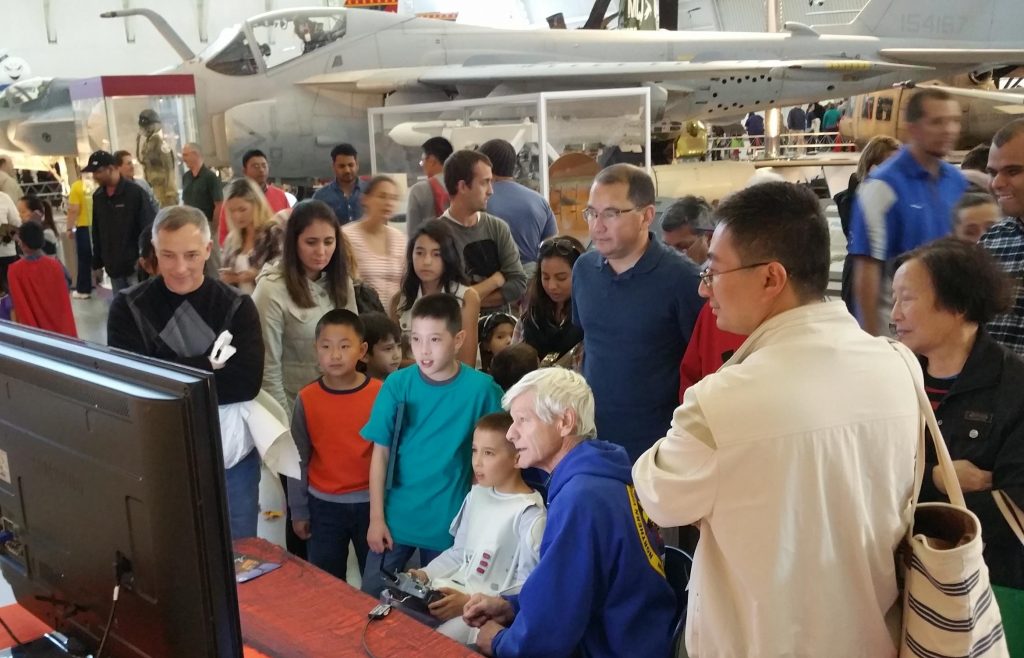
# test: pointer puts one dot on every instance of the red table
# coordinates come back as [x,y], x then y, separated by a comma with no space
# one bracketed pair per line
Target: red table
[299,611]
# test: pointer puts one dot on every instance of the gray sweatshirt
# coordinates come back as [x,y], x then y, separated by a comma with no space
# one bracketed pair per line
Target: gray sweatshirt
[487,247]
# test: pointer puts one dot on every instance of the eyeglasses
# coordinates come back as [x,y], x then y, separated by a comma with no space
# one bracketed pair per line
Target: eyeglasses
[560,246]
[707,277]
[608,214]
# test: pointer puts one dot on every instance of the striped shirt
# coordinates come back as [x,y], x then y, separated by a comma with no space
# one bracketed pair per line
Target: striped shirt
[937,388]
[1005,241]
[382,272]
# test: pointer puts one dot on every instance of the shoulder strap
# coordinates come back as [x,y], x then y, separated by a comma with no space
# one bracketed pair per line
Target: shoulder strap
[236,302]
[396,439]
[956,496]
[1011,512]
[441,199]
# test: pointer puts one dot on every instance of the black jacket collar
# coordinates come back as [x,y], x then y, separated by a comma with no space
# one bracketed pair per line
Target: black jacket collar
[983,368]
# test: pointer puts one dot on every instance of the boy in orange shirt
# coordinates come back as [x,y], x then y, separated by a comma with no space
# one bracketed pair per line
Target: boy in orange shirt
[330,505]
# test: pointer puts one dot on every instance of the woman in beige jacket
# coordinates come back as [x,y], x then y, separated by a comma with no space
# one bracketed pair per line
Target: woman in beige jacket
[312,278]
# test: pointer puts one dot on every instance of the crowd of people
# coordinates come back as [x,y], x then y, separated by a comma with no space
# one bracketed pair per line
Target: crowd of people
[807,130]
[516,419]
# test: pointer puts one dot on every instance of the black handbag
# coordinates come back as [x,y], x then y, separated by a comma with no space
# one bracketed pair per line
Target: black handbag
[367,299]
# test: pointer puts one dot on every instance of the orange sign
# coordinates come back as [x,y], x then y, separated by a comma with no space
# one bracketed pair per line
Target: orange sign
[439,15]
[379,5]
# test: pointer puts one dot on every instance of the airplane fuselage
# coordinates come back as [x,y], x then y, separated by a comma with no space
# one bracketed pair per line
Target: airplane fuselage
[295,93]
[297,124]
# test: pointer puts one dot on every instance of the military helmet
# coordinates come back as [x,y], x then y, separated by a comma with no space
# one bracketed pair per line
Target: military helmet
[148,117]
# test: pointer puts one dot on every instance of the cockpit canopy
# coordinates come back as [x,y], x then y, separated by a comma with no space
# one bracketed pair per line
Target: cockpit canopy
[35,94]
[270,40]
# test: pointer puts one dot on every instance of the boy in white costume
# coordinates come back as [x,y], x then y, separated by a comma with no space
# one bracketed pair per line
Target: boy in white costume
[497,532]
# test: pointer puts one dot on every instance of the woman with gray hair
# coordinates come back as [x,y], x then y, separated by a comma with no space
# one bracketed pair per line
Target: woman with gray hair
[599,587]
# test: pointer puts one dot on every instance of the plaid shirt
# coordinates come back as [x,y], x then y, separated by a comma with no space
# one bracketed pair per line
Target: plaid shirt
[1005,241]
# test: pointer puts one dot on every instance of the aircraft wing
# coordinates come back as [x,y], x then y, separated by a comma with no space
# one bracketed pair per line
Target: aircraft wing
[951,56]
[676,75]
[376,81]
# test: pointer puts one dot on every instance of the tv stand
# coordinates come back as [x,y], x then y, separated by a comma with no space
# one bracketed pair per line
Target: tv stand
[51,645]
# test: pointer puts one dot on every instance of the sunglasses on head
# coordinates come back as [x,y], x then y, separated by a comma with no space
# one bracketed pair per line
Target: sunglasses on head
[560,246]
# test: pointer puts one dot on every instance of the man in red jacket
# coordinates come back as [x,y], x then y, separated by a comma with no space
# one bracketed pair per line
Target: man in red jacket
[708,349]
[39,285]
[256,168]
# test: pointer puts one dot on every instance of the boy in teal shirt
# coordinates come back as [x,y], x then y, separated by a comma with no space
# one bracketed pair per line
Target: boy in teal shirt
[430,409]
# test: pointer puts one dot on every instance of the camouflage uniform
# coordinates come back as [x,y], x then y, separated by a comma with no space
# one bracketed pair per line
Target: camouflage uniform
[158,163]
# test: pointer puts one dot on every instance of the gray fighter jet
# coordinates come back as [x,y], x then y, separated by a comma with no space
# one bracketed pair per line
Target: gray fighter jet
[296,82]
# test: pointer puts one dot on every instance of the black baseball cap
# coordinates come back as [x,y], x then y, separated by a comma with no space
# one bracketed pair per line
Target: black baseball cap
[99,160]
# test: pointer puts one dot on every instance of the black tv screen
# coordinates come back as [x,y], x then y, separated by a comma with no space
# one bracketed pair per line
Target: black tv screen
[111,472]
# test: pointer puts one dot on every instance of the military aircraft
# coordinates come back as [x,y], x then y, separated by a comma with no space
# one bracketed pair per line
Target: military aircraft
[985,107]
[36,117]
[296,82]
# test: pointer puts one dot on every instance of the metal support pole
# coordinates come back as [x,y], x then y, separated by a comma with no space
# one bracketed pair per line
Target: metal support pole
[647,130]
[370,116]
[773,115]
[542,143]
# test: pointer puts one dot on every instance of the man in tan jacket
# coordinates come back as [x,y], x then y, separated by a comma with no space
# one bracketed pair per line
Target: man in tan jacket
[796,459]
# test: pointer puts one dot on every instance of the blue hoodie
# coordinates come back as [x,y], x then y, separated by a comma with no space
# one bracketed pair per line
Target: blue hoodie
[599,587]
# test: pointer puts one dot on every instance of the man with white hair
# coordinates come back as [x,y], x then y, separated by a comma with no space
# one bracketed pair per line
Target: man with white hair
[599,588]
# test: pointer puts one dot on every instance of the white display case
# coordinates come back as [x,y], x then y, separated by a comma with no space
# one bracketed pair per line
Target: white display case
[601,125]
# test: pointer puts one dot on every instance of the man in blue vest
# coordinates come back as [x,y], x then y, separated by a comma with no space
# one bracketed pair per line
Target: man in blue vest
[904,203]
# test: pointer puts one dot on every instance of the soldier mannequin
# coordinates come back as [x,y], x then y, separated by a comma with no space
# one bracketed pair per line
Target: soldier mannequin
[156,158]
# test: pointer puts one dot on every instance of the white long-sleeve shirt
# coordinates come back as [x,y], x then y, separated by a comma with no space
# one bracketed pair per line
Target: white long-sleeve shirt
[8,215]
[497,545]
[483,528]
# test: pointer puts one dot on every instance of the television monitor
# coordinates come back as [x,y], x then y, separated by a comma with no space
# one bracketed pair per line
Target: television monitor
[111,473]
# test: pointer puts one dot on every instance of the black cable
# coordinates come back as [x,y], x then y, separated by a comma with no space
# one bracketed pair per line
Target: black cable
[379,612]
[366,648]
[110,622]
[10,632]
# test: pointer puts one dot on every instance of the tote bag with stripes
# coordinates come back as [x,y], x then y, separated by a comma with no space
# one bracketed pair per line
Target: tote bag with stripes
[948,605]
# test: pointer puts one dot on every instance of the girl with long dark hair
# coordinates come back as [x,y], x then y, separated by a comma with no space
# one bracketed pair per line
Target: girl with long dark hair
[32,208]
[547,323]
[433,266]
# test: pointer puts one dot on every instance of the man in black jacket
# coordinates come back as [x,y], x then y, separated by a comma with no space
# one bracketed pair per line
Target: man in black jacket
[120,212]
[178,316]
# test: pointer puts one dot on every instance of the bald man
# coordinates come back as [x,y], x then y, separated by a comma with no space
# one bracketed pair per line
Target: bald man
[202,189]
